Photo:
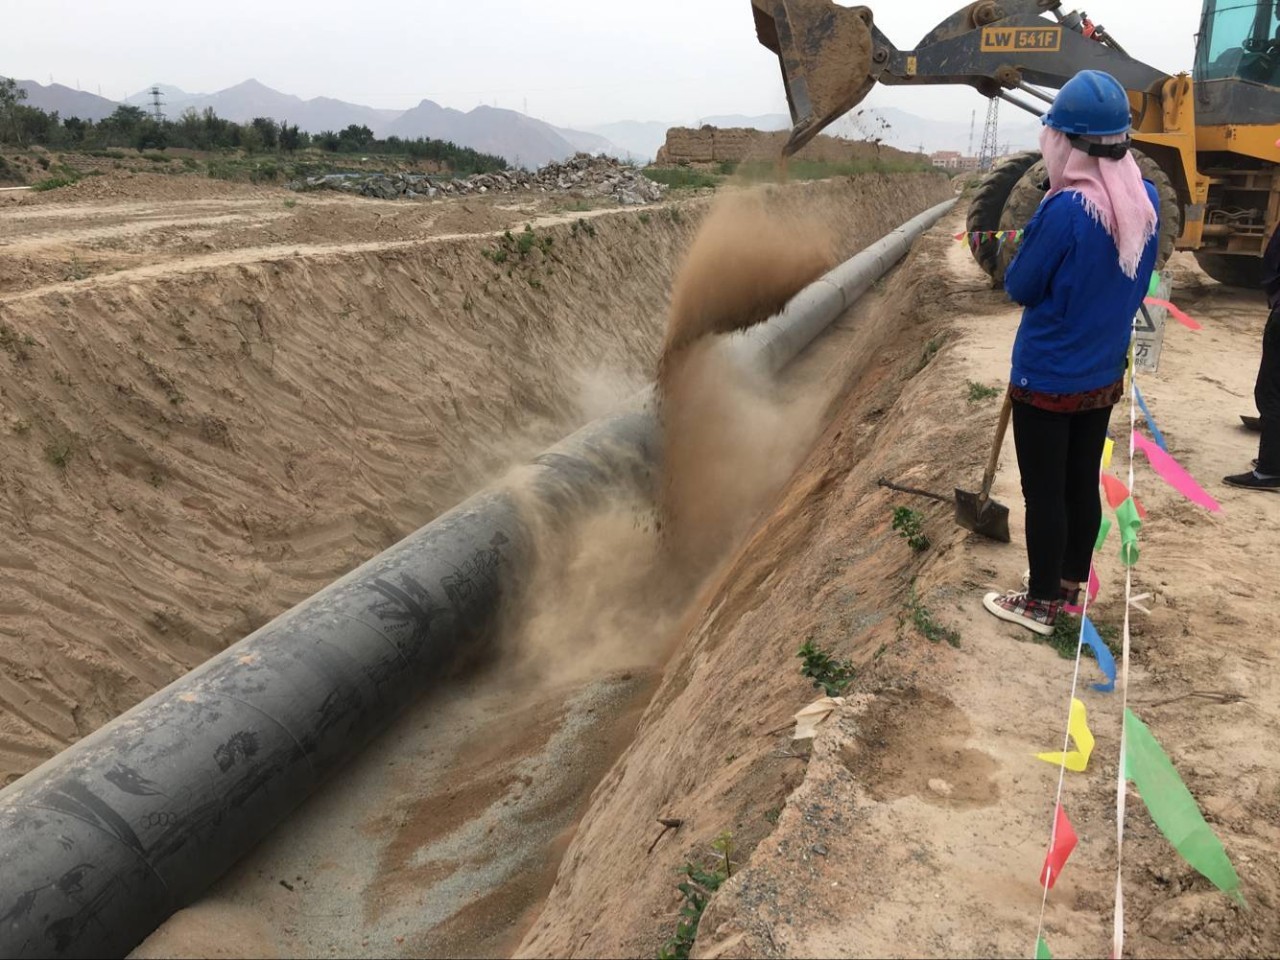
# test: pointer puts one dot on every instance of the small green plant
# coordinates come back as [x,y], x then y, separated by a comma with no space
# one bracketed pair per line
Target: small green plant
[828,674]
[583,226]
[58,453]
[44,162]
[682,178]
[22,427]
[980,392]
[910,524]
[76,269]
[675,216]
[773,815]
[697,888]
[930,351]
[524,245]
[922,617]
[290,203]
[496,254]
[53,183]
[645,218]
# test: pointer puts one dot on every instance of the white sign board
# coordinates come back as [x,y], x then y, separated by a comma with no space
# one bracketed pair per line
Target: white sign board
[1148,336]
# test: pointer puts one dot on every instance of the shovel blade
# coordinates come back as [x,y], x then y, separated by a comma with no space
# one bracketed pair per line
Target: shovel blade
[985,518]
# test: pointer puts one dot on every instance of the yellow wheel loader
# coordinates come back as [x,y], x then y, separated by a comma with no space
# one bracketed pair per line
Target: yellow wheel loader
[1207,141]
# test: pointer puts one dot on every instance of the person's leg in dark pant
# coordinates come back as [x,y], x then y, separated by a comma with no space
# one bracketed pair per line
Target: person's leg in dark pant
[1084,504]
[1267,395]
[1041,439]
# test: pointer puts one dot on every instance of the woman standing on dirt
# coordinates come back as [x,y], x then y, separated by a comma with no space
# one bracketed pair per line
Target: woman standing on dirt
[1084,266]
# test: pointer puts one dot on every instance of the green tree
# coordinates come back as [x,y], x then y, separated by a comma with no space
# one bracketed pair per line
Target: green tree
[290,137]
[11,96]
[268,131]
[251,141]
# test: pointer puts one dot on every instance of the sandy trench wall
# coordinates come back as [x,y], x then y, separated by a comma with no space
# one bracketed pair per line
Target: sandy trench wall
[185,456]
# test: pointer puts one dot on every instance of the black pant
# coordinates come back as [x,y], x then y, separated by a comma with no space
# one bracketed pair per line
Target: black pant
[1060,455]
[1267,396]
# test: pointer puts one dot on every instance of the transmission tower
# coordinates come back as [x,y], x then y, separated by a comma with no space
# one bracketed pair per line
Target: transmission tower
[990,138]
[973,126]
[156,104]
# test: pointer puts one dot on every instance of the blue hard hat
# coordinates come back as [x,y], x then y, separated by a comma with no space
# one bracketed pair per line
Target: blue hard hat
[1091,103]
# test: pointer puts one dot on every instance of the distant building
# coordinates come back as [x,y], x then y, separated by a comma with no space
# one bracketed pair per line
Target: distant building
[953,160]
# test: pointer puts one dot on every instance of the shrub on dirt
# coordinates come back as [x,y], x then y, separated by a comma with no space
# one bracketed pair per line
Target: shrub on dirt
[828,674]
[910,525]
[697,889]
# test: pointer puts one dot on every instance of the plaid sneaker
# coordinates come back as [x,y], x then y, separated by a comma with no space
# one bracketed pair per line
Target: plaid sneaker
[1036,615]
[1070,600]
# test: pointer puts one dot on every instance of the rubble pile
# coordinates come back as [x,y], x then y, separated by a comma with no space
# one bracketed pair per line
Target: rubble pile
[583,175]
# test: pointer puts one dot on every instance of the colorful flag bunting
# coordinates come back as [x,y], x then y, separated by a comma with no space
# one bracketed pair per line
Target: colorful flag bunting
[1063,845]
[1095,585]
[1151,421]
[1077,761]
[1173,808]
[1108,452]
[1102,653]
[1174,312]
[1130,524]
[1172,473]
[1118,493]
[1042,950]
[1103,532]
[1154,289]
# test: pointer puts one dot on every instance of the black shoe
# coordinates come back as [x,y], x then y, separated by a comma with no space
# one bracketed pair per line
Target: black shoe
[1252,423]
[1251,481]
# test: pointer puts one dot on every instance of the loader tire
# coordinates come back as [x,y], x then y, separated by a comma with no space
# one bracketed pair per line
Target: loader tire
[1237,270]
[988,206]
[1030,191]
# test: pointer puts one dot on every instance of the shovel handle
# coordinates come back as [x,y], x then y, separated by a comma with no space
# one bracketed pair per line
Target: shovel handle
[989,478]
[899,488]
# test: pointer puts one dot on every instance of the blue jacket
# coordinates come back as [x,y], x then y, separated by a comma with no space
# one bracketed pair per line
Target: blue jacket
[1080,306]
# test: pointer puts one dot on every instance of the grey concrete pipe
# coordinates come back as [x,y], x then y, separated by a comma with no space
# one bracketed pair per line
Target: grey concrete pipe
[102,843]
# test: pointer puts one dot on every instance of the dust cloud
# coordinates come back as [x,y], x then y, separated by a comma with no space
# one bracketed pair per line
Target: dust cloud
[611,586]
[731,435]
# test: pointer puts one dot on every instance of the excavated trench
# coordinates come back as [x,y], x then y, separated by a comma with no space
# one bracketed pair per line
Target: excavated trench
[245,435]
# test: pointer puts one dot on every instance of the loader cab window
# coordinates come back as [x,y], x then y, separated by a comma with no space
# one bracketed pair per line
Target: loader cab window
[1240,39]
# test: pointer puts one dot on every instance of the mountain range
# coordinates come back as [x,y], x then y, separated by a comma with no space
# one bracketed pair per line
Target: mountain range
[520,139]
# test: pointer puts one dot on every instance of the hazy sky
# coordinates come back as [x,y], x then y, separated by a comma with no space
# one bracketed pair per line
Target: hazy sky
[576,62]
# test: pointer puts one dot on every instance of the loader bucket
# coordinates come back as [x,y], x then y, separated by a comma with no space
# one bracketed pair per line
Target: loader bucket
[826,55]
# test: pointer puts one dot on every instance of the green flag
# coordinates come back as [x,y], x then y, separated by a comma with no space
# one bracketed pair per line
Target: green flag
[1154,289]
[1042,950]
[1130,523]
[1173,808]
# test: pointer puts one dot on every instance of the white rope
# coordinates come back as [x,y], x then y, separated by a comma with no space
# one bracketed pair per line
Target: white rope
[1117,944]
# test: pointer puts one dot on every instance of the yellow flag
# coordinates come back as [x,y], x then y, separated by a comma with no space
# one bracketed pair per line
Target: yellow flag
[1108,451]
[1077,761]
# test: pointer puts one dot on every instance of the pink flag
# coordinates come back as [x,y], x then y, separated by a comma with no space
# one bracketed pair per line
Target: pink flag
[1064,844]
[1172,473]
[1174,312]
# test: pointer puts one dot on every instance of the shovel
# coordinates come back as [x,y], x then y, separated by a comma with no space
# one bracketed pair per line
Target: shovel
[977,512]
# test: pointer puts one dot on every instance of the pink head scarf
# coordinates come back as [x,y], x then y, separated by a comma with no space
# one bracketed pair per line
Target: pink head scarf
[1112,190]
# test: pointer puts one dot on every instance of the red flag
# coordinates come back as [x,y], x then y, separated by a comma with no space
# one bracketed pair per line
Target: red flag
[1175,312]
[1064,844]
[1118,493]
